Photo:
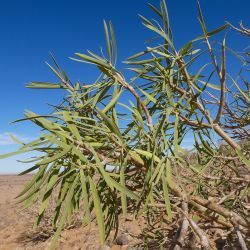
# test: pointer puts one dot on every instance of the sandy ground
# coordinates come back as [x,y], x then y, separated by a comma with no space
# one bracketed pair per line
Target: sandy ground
[16,225]
[12,225]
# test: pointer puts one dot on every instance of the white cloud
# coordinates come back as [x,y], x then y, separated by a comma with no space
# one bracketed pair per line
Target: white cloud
[5,138]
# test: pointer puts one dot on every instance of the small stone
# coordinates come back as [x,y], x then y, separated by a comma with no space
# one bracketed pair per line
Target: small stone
[122,240]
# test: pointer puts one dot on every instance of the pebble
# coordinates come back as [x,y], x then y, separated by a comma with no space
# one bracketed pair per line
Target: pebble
[122,240]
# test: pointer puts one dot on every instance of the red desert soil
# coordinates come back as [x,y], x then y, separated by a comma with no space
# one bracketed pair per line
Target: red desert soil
[16,225]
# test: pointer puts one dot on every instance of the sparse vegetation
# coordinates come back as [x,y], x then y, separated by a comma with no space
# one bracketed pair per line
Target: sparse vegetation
[114,148]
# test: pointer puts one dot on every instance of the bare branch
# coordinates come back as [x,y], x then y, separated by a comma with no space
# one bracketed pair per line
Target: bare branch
[184,228]
[203,237]
[133,92]
[241,239]
[243,30]
[222,76]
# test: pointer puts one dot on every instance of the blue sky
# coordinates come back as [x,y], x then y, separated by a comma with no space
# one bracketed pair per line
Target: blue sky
[29,30]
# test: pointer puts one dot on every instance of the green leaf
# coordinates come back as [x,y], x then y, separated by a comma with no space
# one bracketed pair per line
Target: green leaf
[161,33]
[146,61]
[113,43]
[29,170]
[71,125]
[148,96]
[111,125]
[243,158]
[55,157]
[20,151]
[109,180]
[44,85]
[137,157]
[148,50]
[241,91]
[167,198]
[47,195]
[176,135]
[201,19]
[85,197]
[31,183]
[107,39]
[156,172]
[113,102]
[148,155]
[186,48]
[64,215]
[123,183]
[211,33]
[91,60]
[210,85]
[98,210]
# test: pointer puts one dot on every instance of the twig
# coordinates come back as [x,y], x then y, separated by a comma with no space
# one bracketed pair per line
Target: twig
[233,217]
[243,30]
[203,238]
[240,238]
[212,124]
[225,136]
[184,228]
[120,79]
[221,73]
[222,76]
[224,198]
[246,178]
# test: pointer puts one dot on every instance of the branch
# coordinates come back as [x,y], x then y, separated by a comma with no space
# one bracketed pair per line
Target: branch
[203,237]
[130,88]
[243,30]
[222,76]
[233,217]
[240,238]
[225,136]
[184,228]
[112,157]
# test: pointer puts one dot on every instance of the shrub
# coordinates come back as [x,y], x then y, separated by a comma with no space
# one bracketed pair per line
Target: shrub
[109,156]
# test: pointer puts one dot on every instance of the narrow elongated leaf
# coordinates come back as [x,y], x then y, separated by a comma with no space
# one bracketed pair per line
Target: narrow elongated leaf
[243,158]
[109,123]
[161,33]
[112,103]
[92,60]
[98,211]
[148,96]
[176,136]
[108,44]
[44,85]
[148,155]
[247,97]
[85,196]
[123,183]
[64,214]
[71,125]
[55,157]
[167,198]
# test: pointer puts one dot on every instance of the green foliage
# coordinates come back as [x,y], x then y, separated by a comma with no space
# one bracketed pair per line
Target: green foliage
[103,153]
